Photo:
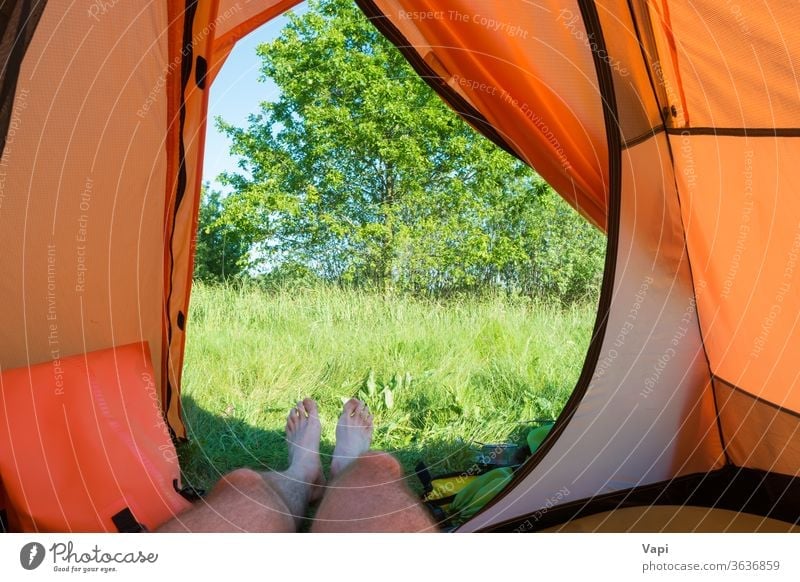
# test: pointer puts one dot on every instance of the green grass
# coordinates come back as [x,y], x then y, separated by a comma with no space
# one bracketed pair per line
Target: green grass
[459,372]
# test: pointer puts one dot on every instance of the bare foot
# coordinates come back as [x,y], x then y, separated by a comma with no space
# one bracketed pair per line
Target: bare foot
[353,435]
[303,431]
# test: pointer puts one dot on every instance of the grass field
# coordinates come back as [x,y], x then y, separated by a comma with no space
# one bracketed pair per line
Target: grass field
[439,377]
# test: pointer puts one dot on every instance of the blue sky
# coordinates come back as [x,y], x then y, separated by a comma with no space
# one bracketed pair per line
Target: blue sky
[236,93]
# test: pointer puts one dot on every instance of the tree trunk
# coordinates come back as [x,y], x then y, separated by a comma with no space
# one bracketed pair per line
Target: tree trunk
[387,251]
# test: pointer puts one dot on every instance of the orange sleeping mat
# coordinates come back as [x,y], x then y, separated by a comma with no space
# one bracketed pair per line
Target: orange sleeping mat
[84,446]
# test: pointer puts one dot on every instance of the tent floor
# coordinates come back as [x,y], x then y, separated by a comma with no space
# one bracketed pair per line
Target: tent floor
[674,519]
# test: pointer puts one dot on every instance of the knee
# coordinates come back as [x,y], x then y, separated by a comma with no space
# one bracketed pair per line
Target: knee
[380,465]
[244,479]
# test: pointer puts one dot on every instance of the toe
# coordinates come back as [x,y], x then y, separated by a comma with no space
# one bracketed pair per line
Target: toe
[351,406]
[301,410]
[311,408]
[293,420]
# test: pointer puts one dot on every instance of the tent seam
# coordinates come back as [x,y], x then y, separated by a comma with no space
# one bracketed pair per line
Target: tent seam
[759,399]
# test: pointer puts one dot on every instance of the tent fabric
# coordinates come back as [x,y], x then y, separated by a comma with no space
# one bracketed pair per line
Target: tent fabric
[757,433]
[82,244]
[669,125]
[750,491]
[674,519]
[234,21]
[736,67]
[190,37]
[17,25]
[748,261]
[734,159]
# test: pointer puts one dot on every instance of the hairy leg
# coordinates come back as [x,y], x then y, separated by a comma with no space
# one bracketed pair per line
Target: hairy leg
[367,492]
[240,502]
[247,501]
[303,481]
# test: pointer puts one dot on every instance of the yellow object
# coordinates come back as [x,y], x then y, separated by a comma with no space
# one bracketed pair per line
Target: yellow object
[444,487]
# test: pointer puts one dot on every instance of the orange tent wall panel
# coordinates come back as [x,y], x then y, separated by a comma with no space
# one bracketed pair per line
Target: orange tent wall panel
[737,61]
[83,439]
[758,433]
[82,190]
[739,201]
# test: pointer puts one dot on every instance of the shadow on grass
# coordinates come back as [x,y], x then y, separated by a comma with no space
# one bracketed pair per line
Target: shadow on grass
[219,444]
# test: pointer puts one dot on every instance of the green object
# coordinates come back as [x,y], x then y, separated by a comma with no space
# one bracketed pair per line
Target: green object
[480,491]
[537,435]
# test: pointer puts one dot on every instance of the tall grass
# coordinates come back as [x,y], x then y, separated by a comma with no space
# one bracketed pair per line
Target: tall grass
[457,373]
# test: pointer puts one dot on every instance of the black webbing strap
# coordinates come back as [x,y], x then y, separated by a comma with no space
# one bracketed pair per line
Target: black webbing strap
[126,523]
[425,477]
[188,492]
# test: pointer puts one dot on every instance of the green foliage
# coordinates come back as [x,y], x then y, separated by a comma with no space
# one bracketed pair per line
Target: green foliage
[363,176]
[564,255]
[439,375]
[381,395]
[289,275]
[222,249]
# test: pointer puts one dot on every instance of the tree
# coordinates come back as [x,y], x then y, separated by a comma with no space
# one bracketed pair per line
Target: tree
[222,250]
[565,254]
[362,174]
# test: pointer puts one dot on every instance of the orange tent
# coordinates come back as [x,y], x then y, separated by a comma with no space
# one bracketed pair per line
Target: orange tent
[670,125]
